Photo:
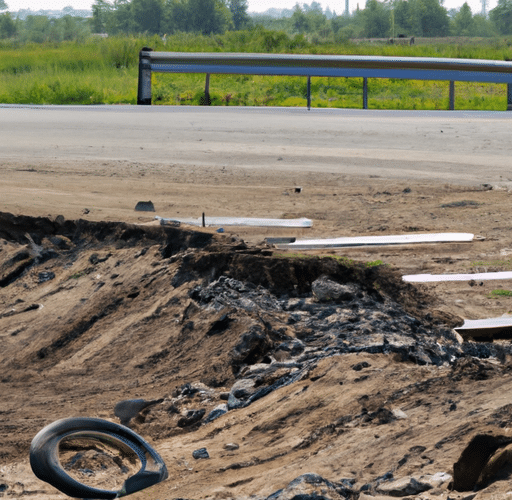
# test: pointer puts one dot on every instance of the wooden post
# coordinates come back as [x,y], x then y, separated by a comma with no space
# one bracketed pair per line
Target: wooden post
[309,93]
[207,90]
[451,105]
[509,96]
[365,93]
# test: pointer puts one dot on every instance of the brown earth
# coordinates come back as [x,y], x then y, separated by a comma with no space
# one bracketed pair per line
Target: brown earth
[97,307]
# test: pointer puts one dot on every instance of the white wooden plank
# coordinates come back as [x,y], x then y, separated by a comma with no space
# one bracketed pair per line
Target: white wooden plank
[403,239]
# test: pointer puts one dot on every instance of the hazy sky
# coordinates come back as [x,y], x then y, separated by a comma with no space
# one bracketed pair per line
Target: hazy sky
[254,5]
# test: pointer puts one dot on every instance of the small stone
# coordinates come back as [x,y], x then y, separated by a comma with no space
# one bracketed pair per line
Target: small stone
[217,412]
[200,453]
[129,408]
[399,414]
[325,290]
[403,487]
[191,417]
[45,276]
[145,206]
[231,446]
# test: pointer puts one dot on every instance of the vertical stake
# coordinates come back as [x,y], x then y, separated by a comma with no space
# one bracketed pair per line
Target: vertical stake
[452,96]
[509,96]
[207,90]
[309,93]
[144,84]
[365,93]
[204,221]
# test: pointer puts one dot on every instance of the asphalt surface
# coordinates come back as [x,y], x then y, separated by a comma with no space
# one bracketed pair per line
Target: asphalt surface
[446,146]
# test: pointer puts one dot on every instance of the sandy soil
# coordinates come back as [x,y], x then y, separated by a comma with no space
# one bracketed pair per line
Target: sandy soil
[293,430]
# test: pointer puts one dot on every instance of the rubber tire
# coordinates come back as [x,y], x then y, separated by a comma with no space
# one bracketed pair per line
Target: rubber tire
[46,466]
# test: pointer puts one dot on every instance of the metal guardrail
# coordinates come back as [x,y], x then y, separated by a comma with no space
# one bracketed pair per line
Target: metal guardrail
[411,68]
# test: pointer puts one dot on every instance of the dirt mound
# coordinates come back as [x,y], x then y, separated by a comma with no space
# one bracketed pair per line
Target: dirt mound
[284,356]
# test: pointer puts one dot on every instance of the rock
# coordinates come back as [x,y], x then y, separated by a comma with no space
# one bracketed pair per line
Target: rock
[129,408]
[45,276]
[325,290]
[231,446]
[399,414]
[366,496]
[253,344]
[145,206]
[359,366]
[499,461]
[471,463]
[216,413]
[191,417]
[312,487]
[436,480]
[200,453]
[403,487]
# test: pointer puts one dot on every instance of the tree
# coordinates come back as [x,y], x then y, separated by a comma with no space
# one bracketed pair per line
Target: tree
[376,19]
[463,21]
[208,16]
[482,26]
[102,13]
[299,21]
[433,18]
[238,9]
[501,16]
[3,5]
[147,15]
[7,26]
[402,17]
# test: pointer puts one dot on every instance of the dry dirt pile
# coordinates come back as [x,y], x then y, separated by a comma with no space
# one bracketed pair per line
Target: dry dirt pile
[287,377]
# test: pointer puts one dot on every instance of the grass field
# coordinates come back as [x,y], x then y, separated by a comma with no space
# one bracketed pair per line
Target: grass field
[104,71]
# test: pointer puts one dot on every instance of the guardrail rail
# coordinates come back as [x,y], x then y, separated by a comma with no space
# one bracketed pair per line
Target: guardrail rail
[308,65]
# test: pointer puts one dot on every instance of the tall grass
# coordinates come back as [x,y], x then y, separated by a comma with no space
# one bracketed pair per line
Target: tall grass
[104,71]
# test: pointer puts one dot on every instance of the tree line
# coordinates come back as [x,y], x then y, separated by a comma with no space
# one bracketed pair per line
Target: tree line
[378,19]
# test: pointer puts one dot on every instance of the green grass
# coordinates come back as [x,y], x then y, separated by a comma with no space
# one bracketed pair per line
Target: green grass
[499,293]
[104,71]
[506,264]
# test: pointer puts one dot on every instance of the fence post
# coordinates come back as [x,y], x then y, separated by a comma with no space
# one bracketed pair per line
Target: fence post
[451,103]
[144,88]
[365,93]
[309,93]
[207,101]
[509,96]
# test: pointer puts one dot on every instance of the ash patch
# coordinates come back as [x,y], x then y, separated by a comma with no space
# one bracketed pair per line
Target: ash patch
[229,292]
[354,322]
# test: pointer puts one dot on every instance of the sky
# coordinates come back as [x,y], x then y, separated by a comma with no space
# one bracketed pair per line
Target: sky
[254,5]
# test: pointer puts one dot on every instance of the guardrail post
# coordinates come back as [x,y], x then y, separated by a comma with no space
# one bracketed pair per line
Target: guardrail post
[309,93]
[144,88]
[365,93]
[451,100]
[509,96]
[207,101]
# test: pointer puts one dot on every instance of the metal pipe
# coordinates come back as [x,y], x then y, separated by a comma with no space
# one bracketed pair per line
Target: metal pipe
[421,68]
[451,99]
[144,86]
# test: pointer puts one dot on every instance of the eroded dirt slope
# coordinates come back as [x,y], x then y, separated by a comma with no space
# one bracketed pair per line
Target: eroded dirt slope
[365,382]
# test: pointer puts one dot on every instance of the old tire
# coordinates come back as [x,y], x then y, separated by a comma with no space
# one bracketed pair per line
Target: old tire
[45,463]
